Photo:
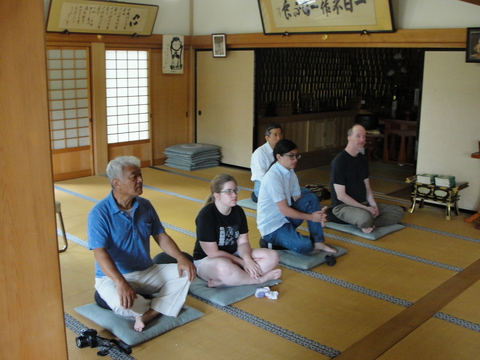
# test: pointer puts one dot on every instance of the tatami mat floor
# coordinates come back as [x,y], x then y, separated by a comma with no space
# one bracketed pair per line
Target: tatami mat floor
[321,313]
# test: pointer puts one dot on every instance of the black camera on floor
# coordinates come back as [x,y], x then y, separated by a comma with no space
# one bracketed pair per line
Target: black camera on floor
[87,337]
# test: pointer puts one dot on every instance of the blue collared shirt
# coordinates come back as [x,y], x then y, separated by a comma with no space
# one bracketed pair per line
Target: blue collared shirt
[278,184]
[125,238]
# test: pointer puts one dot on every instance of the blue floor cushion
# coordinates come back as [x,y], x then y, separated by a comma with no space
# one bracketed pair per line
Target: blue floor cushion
[305,262]
[122,327]
[226,295]
[376,234]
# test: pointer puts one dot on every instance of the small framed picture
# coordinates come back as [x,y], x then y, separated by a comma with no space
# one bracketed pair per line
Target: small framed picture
[219,45]
[473,45]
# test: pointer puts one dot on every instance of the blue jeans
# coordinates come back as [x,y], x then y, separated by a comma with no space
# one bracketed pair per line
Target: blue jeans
[288,237]
[256,187]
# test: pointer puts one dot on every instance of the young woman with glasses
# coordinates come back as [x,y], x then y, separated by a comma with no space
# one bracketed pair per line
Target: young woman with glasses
[222,252]
[282,206]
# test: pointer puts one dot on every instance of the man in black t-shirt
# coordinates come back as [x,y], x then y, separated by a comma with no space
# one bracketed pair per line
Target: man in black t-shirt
[352,196]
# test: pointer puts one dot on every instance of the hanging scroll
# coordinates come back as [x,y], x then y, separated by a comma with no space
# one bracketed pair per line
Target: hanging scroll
[101,17]
[325,16]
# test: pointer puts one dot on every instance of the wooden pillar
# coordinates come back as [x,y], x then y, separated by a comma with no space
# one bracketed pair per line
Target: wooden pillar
[99,106]
[31,299]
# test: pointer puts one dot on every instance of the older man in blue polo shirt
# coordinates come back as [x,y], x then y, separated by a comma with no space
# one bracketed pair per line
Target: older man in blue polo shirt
[119,230]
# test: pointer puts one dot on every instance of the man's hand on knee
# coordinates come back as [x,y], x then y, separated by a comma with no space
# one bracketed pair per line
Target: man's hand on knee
[127,294]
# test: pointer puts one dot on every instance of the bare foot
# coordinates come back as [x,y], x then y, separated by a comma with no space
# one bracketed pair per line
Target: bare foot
[214,283]
[368,230]
[322,247]
[143,320]
[271,275]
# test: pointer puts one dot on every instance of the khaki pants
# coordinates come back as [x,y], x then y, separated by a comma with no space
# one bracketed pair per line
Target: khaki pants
[388,215]
[162,280]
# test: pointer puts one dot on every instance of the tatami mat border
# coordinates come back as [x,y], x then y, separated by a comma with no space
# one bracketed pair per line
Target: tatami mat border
[275,329]
[84,197]
[457,321]
[353,287]
[76,326]
[392,252]
[461,237]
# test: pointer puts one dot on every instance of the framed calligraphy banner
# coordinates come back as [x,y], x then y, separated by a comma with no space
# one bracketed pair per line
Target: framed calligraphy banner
[325,16]
[101,17]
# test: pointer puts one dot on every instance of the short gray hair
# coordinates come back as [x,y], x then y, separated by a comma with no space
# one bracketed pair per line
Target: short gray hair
[115,167]
[272,126]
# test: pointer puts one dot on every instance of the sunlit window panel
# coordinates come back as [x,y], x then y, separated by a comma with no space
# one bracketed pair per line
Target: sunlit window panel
[127,95]
[68,98]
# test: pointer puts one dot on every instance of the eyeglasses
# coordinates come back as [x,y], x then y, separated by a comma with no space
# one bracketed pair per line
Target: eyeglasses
[293,156]
[230,191]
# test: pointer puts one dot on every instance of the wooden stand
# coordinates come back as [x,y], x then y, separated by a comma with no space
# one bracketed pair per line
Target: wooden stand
[439,194]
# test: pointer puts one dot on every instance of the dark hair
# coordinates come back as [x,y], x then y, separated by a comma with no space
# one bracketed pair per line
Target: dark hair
[272,126]
[283,146]
[216,185]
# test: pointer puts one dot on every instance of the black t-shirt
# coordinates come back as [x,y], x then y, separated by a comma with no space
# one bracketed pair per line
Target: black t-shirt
[212,226]
[350,171]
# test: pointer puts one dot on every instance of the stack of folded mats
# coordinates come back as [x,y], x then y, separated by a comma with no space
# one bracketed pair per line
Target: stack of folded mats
[192,156]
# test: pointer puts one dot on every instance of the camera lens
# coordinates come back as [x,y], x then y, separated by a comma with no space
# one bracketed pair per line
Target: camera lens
[81,341]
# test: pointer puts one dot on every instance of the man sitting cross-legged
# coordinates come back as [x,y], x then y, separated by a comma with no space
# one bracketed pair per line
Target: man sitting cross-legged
[119,230]
[352,196]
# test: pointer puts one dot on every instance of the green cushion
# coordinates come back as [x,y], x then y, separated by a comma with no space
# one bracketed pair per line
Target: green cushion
[226,295]
[123,327]
[376,234]
[305,262]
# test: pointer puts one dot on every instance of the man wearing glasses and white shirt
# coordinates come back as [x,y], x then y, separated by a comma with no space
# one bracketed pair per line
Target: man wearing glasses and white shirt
[282,206]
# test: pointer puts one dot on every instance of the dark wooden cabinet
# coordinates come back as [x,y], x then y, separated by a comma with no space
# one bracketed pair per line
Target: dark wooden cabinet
[319,136]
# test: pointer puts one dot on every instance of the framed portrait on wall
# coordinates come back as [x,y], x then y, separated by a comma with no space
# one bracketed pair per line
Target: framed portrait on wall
[219,45]
[319,16]
[473,45]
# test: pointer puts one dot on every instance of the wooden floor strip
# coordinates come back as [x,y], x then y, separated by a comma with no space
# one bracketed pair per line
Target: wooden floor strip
[393,331]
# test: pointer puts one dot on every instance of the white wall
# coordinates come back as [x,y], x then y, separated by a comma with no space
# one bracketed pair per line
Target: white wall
[242,16]
[449,126]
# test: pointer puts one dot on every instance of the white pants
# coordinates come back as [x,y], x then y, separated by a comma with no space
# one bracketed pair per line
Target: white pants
[162,279]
